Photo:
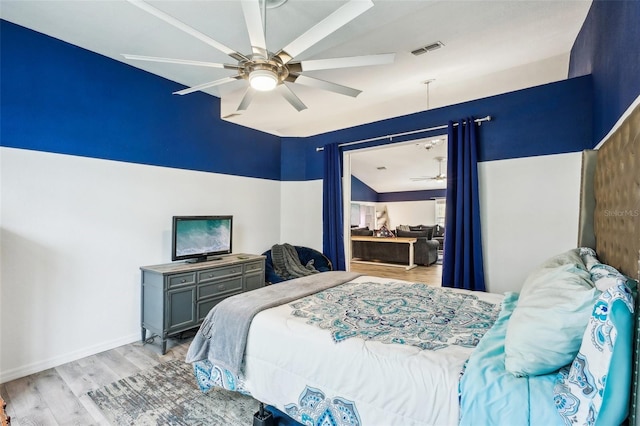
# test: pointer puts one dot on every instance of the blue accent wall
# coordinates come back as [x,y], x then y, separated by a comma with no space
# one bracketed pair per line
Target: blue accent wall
[608,48]
[60,98]
[428,194]
[530,122]
[360,191]
[294,150]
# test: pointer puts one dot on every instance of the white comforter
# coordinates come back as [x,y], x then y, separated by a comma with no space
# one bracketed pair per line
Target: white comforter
[301,370]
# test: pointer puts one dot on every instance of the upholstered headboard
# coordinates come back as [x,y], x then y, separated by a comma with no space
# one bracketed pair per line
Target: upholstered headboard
[586,237]
[610,208]
[617,194]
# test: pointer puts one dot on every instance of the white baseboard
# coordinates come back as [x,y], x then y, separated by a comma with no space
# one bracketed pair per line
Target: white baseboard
[25,370]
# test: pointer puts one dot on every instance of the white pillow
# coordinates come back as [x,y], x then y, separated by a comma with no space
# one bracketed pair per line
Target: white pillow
[569,257]
[546,328]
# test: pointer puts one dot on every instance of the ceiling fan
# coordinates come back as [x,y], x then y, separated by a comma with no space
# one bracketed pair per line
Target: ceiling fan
[440,177]
[265,70]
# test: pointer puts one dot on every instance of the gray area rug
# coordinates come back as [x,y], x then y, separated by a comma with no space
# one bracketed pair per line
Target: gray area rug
[167,394]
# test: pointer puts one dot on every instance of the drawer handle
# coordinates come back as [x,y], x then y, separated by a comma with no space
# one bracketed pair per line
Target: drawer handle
[210,275]
[221,287]
[184,280]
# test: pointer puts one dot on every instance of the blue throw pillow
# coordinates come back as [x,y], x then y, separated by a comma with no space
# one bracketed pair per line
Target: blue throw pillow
[615,398]
[595,389]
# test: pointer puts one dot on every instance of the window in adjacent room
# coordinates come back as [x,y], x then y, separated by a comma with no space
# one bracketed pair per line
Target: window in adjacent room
[441,207]
[355,214]
[368,215]
[363,215]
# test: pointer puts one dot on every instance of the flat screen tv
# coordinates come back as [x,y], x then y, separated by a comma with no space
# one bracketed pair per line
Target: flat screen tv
[200,238]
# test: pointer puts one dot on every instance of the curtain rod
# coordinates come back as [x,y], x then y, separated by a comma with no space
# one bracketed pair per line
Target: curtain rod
[390,137]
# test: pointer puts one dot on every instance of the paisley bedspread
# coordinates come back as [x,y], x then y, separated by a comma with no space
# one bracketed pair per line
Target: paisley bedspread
[407,314]
[370,352]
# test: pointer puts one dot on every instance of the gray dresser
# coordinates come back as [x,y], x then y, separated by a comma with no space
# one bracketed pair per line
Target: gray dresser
[178,296]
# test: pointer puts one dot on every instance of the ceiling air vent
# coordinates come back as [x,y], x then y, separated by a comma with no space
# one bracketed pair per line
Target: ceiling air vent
[427,48]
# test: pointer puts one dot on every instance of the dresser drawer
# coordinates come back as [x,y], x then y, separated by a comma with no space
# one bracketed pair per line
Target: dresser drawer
[253,281]
[177,296]
[182,279]
[205,306]
[217,288]
[213,274]
[254,267]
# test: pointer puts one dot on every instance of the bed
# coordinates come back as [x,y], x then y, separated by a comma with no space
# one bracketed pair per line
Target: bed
[344,349]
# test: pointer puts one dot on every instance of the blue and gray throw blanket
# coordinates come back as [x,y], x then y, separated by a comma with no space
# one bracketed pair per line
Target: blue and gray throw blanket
[286,262]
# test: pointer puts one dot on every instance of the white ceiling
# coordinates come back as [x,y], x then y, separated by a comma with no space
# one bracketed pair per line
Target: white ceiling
[391,168]
[490,47]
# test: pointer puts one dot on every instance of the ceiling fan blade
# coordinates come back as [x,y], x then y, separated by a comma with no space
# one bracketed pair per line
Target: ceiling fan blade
[324,85]
[207,85]
[353,61]
[291,97]
[246,99]
[187,29]
[331,23]
[255,26]
[181,61]
[233,114]
[416,179]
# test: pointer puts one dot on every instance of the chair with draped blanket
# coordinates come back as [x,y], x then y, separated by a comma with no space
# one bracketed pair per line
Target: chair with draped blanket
[285,262]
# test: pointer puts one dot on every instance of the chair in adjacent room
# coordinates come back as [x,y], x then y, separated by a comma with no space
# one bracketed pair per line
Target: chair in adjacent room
[307,257]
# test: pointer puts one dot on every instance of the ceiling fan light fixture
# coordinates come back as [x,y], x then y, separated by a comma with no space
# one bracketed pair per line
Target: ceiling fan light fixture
[263,70]
[263,80]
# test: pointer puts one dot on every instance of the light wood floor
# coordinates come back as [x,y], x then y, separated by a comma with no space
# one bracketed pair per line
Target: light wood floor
[58,396]
[431,275]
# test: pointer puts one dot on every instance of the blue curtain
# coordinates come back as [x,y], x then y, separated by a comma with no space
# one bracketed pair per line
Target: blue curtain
[463,264]
[332,208]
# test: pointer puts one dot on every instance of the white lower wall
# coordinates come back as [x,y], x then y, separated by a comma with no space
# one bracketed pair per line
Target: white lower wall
[74,232]
[301,210]
[529,212]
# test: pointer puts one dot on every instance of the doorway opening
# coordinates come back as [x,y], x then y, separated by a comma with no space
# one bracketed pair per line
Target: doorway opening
[395,184]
